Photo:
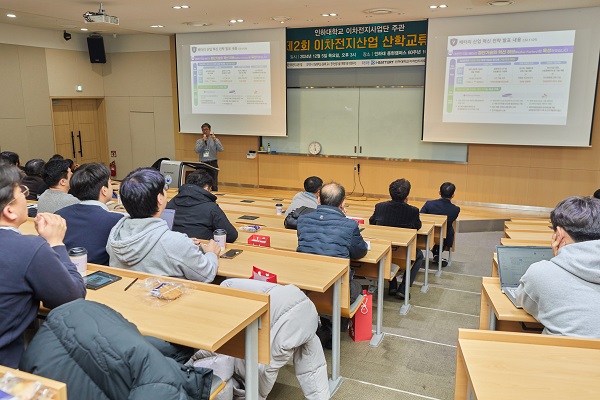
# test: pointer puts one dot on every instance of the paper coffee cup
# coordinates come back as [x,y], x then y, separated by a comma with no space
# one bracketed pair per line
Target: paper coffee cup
[220,236]
[279,208]
[78,256]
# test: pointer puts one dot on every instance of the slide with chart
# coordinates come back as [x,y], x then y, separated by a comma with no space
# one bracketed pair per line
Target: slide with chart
[510,78]
[231,78]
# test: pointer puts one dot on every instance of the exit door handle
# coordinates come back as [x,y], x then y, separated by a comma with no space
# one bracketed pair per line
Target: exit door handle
[80,146]
[73,143]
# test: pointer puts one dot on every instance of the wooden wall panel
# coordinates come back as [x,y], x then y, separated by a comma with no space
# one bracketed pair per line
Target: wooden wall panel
[486,154]
[497,184]
[548,186]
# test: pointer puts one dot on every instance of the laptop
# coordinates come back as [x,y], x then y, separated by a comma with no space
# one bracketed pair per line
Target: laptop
[169,216]
[513,262]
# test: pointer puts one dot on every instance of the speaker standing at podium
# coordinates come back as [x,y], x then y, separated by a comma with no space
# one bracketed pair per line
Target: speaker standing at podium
[207,148]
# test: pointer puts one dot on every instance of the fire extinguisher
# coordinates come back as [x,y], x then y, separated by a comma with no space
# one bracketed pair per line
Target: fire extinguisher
[113,169]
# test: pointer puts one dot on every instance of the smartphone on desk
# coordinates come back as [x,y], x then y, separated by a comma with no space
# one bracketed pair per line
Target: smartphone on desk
[231,253]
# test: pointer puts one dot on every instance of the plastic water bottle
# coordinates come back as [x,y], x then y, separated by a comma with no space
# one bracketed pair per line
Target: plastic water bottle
[268,147]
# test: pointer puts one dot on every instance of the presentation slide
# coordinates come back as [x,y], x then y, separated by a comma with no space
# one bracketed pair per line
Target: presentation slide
[232,78]
[525,79]
[516,78]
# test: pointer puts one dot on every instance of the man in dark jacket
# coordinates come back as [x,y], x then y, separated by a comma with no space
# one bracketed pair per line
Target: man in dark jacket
[101,355]
[197,213]
[398,213]
[328,232]
[443,206]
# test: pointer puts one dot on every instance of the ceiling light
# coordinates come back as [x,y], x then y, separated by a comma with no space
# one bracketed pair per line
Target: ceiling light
[11,15]
[332,14]
[280,18]
[432,7]
[156,26]
[329,15]
[185,6]
[378,11]
[500,3]
[240,20]
[197,24]
[233,21]
[177,7]
[443,6]
[84,29]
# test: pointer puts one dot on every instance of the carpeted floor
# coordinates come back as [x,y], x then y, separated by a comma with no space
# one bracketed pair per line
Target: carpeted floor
[417,357]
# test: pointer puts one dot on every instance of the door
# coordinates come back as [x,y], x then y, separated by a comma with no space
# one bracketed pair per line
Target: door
[78,131]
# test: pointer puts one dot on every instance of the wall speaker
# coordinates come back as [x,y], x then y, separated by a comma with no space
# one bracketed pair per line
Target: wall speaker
[96,49]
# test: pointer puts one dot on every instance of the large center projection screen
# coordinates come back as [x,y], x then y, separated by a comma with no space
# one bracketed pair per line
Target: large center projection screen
[235,81]
[515,79]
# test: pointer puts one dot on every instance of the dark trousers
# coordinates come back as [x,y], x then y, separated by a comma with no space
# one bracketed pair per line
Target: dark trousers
[214,174]
[414,270]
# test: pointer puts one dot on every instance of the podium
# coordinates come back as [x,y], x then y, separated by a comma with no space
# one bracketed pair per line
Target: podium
[176,172]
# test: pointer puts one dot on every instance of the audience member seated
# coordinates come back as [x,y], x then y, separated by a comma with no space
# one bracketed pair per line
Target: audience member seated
[309,198]
[34,268]
[398,213]
[563,293]
[101,355]
[443,206]
[33,179]
[90,222]
[328,232]
[294,321]
[10,157]
[143,242]
[197,213]
[57,175]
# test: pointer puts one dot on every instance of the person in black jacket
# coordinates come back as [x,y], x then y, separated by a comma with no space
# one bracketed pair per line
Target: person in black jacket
[443,206]
[196,212]
[398,213]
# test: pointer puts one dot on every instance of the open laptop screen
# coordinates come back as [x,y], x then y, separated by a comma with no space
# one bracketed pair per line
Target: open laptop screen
[513,261]
[168,215]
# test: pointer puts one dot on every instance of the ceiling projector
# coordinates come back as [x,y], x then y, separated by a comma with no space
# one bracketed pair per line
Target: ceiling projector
[100,17]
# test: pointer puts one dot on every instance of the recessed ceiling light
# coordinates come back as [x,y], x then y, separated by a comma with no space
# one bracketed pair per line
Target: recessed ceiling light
[240,20]
[281,18]
[500,3]
[156,26]
[443,6]
[84,29]
[185,6]
[11,15]
[332,14]
[378,11]
[177,7]
[197,24]
[328,15]
[233,21]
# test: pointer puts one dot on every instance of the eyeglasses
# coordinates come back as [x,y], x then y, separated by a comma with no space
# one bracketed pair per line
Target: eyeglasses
[24,190]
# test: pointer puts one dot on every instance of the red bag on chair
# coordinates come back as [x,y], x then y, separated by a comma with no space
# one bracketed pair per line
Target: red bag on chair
[361,325]
[262,275]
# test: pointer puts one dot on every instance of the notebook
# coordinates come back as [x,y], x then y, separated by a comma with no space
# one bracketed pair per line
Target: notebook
[513,262]
[169,216]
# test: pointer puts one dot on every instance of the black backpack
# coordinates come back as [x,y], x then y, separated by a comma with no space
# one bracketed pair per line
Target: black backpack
[291,221]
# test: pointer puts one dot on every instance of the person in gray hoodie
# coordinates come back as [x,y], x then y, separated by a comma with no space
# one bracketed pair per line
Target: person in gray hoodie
[309,198]
[563,293]
[143,242]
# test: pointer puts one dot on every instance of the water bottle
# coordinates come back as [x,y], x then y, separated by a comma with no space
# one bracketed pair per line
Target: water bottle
[268,147]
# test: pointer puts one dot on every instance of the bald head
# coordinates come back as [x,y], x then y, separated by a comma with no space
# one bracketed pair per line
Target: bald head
[332,194]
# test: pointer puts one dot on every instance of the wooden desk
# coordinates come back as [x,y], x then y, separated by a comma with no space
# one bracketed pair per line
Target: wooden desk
[377,262]
[306,271]
[498,312]
[207,317]
[516,226]
[59,387]
[441,224]
[502,365]
[405,240]
[523,242]
[537,236]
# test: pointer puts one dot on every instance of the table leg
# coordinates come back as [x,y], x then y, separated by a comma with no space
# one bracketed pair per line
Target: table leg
[378,336]
[425,286]
[439,271]
[336,380]
[251,349]
[492,324]
[406,306]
